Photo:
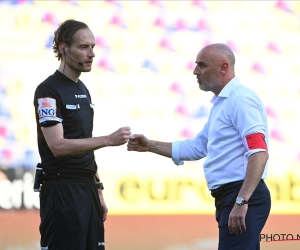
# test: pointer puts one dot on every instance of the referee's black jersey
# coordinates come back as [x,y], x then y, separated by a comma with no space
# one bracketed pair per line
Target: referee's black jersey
[59,99]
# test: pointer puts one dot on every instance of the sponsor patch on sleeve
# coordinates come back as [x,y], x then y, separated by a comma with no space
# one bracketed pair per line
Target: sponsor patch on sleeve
[256,141]
[46,107]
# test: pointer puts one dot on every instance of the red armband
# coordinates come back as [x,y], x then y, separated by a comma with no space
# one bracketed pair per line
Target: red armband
[256,141]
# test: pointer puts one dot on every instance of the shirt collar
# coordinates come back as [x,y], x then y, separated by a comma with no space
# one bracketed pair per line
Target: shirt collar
[64,77]
[225,92]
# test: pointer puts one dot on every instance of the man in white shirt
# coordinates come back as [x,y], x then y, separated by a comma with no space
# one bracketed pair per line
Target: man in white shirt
[235,143]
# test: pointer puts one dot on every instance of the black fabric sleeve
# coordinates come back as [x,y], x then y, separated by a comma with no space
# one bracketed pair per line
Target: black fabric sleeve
[48,105]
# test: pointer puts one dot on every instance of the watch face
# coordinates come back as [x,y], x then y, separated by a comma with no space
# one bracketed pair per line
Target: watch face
[239,200]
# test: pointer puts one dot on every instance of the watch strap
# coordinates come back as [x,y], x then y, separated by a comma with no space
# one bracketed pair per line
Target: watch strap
[100,185]
[241,201]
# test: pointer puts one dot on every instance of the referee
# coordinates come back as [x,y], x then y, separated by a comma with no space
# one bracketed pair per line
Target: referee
[72,207]
[234,141]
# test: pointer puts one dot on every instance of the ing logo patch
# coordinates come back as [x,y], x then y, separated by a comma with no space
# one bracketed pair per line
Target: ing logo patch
[46,107]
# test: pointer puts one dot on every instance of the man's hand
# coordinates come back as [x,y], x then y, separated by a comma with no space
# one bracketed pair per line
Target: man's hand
[236,221]
[138,142]
[103,205]
[119,137]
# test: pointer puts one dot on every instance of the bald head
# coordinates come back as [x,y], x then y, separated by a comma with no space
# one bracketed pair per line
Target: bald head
[220,52]
[215,67]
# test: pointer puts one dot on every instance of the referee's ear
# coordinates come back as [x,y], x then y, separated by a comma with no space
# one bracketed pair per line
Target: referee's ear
[62,47]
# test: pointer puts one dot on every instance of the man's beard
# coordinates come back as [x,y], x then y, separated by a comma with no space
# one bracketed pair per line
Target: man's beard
[213,83]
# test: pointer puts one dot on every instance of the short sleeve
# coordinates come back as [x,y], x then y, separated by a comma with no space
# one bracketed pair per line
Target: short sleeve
[47,105]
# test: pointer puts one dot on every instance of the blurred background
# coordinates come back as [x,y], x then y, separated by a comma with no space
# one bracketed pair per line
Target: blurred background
[143,77]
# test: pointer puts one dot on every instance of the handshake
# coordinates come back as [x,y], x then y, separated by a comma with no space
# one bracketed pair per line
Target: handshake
[135,142]
[139,143]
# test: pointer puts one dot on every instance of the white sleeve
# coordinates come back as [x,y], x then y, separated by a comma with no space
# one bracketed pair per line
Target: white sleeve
[248,117]
[191,149]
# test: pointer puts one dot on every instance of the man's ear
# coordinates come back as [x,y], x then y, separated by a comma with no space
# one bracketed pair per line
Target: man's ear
[62,47]
[224,68]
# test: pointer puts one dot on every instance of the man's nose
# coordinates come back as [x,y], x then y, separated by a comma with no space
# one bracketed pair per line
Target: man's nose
[91,53]
[196,71]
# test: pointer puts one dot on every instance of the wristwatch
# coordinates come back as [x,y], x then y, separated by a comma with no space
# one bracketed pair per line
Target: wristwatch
[100,185]
[240,201]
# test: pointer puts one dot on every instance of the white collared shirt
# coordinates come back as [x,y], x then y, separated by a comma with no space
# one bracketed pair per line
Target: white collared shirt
[236,112]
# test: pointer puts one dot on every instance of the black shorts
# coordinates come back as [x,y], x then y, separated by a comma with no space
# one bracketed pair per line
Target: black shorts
[71,216]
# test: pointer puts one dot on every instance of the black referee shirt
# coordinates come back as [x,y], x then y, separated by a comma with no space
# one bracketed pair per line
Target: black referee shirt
[59,99]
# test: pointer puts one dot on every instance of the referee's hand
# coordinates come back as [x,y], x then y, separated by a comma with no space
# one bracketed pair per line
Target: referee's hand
[103,205]
[119,137]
